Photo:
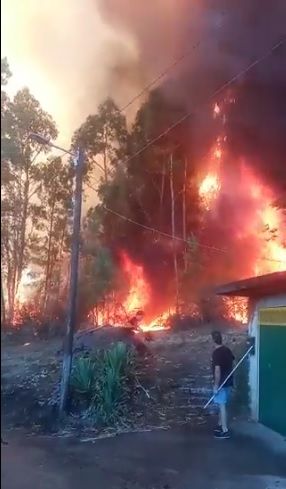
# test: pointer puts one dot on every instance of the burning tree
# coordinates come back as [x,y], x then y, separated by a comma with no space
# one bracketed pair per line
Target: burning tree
[189,204]
[214,196]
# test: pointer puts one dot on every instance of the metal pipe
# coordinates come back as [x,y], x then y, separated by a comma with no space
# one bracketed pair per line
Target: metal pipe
[228,377]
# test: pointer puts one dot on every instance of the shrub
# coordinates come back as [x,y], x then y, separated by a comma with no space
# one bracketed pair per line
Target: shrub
[83,378]
[102,382]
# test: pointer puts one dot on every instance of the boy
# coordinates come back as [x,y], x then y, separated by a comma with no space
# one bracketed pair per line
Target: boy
[222,365]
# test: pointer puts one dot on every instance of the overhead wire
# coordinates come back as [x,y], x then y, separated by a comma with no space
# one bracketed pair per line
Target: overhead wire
[228,83]
[214,94]
[167,235]
[160,76]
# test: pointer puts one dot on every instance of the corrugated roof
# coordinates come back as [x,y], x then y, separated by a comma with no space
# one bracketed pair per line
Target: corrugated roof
[261,286]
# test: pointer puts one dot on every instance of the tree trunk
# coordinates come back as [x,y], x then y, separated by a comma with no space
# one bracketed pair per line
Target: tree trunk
[105,162]
[3,309]
[22,244]
[162,190]
[173,232]
[48,263]
[184,216]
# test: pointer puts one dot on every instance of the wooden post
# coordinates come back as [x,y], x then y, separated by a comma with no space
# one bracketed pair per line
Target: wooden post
[173,231]
[184,215]
[71,316]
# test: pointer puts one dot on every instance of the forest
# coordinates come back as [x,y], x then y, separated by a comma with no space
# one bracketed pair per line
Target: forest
[150,182]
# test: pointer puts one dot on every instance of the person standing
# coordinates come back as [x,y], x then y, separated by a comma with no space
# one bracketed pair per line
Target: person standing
[222,365]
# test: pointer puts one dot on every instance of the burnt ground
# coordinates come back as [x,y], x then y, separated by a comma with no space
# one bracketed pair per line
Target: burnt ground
[164,443]
[174,382]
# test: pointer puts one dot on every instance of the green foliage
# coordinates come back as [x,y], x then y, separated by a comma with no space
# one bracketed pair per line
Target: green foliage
[83,379]
[5,72]
[21,181]
[104,137]
[98,269]
[101,383]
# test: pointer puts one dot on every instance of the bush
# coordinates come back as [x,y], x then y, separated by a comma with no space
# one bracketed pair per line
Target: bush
[102,383]
[83,379]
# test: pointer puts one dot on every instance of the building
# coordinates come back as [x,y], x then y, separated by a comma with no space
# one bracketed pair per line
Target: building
[267,364]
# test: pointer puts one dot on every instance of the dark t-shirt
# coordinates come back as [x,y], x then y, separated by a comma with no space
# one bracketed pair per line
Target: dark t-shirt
[223,357]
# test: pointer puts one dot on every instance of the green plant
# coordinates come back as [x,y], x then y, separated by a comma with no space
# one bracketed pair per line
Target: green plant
[102,382]
[83,378]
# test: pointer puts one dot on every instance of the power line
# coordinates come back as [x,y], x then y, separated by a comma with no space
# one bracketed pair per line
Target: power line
[167,235]
[214,94]
[163,73]
[154,230]
[178,122]
[178,238]
[162,233]
[160,76]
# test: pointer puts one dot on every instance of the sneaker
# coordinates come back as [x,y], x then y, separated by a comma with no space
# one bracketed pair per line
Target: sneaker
[217,429]
[222,435]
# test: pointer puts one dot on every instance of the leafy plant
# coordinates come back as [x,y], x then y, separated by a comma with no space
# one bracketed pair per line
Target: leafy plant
[117,364]
[102,382]
[83,378]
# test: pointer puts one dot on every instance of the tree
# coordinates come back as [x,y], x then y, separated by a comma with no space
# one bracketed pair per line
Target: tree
[144,190]
[5,75]
[5,72]
[52,224]
[20,183]
[104,137]
[97,270]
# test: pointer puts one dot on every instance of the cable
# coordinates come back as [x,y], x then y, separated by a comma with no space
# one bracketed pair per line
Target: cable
[177,237]
[154,230]
[214,94]
[162,233]
[167,235]
[159,77]
[178,122]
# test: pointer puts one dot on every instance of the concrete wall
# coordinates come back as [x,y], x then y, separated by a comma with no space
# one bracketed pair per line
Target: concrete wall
[253,330]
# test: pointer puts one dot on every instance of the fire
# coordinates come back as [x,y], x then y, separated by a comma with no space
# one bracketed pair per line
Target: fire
[270,227]
[209,189]
[237,308]
[260,222]
[160,322]
[139,289]
[138,298]
[139,295]
[216,110]
[210,186]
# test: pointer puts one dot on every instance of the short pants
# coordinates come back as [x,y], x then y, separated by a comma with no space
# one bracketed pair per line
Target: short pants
[223,396]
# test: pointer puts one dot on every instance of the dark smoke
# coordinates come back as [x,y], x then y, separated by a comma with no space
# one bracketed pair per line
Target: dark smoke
[222,39]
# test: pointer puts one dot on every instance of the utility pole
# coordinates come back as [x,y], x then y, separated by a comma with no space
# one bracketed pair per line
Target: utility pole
[173,232]
[71,315]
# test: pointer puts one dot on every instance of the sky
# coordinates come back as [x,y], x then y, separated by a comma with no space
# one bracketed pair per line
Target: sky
[64,52]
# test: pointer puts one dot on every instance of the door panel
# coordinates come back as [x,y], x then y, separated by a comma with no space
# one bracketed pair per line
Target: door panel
[272,369]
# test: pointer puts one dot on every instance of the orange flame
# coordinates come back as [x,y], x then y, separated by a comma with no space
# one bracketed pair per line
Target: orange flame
[210,186]
[139,295]
[139,290]
[237,308]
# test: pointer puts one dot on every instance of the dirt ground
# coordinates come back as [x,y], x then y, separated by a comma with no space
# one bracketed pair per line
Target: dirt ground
[165,443]
[175,381]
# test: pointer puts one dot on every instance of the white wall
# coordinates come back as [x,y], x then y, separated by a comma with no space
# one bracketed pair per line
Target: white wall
[253,330]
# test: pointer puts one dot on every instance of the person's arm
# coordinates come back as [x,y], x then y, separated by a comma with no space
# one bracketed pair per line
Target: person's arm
[217,377]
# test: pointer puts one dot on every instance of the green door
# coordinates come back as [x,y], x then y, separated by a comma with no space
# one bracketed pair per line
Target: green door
[272,369]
